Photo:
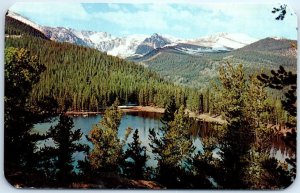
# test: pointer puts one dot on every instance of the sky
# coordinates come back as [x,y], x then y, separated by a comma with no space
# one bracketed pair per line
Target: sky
[186,21]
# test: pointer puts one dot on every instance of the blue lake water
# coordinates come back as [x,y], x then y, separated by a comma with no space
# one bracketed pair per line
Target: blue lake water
[140,120]
[143,122]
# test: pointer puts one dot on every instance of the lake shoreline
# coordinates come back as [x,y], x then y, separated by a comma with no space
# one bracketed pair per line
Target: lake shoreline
[151,109]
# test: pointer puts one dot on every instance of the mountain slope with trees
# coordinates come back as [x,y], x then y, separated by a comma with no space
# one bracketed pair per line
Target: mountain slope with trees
[81,78]
[85,79]
[199,70]
[14,27]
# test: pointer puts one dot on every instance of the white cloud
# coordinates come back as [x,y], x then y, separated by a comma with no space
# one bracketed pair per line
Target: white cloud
[188,20]
[151,18]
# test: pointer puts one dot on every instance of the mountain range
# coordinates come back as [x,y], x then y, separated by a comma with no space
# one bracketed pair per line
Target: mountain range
[139,44]
[193,62]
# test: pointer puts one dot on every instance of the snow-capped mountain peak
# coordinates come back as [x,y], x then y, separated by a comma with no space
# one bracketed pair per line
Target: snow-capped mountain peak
[127,45]
[94,37]
[224,41]
[137,44]
[151,43]
[103,41]
[157,40]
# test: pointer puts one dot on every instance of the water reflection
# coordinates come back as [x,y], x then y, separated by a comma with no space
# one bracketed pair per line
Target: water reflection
[279,150]
[143,121]
[201,130]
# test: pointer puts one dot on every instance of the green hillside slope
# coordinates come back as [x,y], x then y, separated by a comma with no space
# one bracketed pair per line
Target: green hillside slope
[198,70]
[88,79]
[17,28]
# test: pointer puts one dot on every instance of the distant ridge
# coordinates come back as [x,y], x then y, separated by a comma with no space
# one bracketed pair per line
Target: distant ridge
[276,45]
[138,44]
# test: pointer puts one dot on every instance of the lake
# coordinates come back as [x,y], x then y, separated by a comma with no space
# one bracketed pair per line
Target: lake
[143,121]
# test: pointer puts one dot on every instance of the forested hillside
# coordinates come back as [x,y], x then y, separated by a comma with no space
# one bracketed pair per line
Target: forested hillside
[17,28]
[88,79]
[82,78]
[274,45]
[199,70]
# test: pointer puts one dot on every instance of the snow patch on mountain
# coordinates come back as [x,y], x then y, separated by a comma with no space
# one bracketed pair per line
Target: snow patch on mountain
[151,43]
[140,44]
[278,38]
[103,41]
[224,41]
[127,46]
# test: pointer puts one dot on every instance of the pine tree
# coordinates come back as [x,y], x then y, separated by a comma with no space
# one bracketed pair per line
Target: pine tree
[136,166]
[169,111]
[245,161]
[257,108]
[106,154]
[257,116]
[172,149]
[66,142]
[237,134]
[204,165]
[283,80]
[207,110]
[22,72]
[201,105]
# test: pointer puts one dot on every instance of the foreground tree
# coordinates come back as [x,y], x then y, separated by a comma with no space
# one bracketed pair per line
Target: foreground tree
[281,10]
[172,147]
[245,139]
[136,158]
[204,165]
[22,71]
[287,82]
[282,80]
[237,135]
[66,144]
[106,154]
[263,172]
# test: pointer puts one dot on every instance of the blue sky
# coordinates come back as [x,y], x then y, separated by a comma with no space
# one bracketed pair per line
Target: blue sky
[179,20]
